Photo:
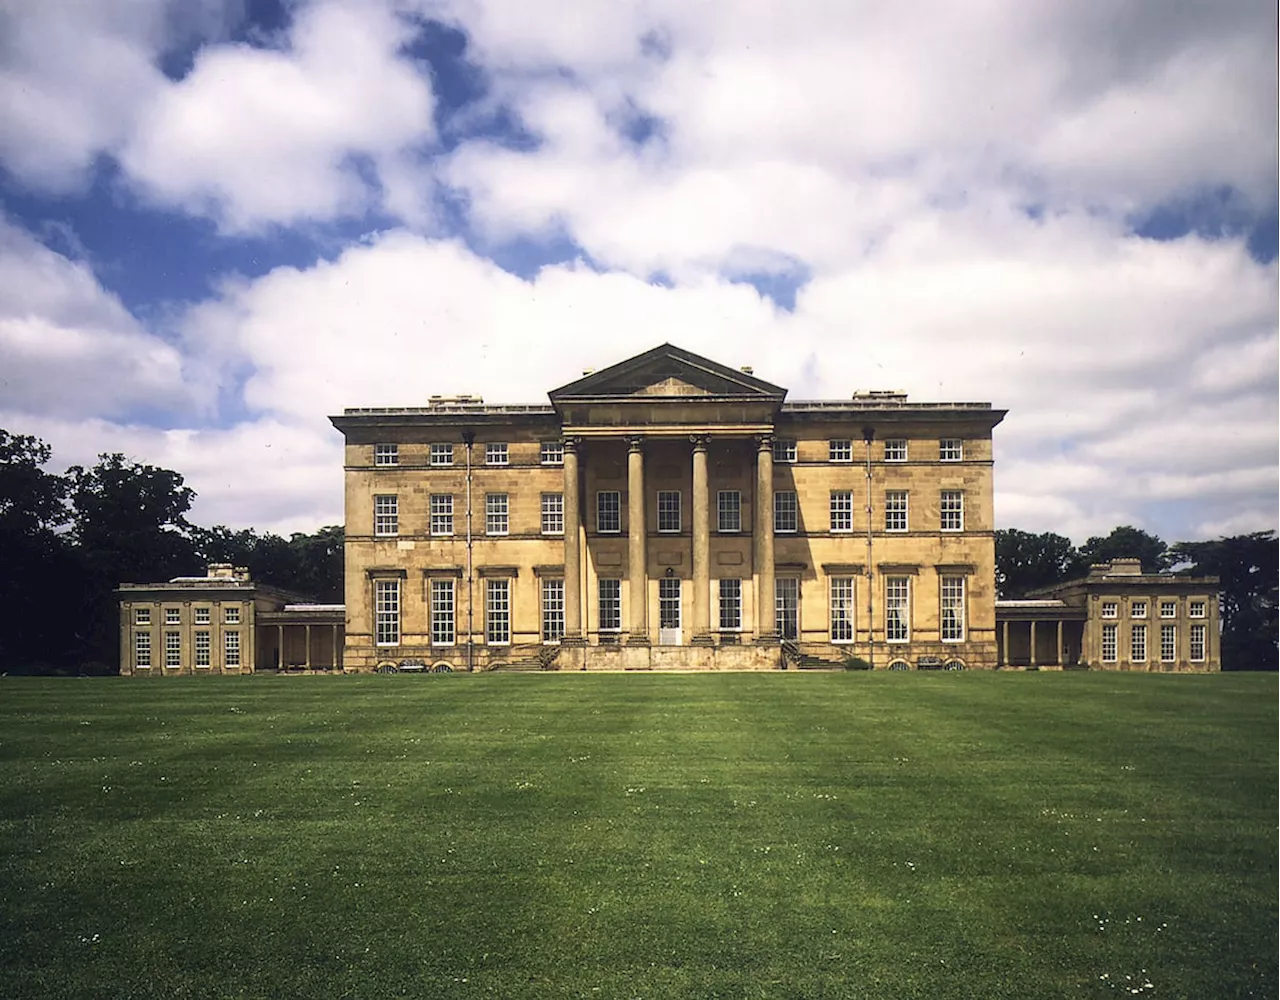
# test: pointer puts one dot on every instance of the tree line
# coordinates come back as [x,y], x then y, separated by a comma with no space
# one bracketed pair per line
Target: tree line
[66,541]
[1246,565]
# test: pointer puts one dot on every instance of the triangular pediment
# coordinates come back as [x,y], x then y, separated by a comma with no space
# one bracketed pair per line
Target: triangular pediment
[668,371]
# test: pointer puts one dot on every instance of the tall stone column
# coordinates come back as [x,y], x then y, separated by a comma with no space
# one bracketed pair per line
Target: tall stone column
[572,546]
[701,543]
[637,585]
[766,623]
[1033,643]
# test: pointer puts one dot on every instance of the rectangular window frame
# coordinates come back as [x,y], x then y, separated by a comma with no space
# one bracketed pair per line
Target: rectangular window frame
[1137,609]
[1110,609]
[608,512]
[231,615]
[497,612]
[386,515]
[895,450]
[952,618]
[784,451]
[497,514]
[609,603]
[951,450]
[441,455]
[1198,643]
[172,649]
[173,616]
[201,616]
[551,453]
[553,513]
[443,609]
[386,455]
[440,515]
[552,591]
[1168,609]
[786,512]
[496,453]
[669,513]
[1110,643]
[843,594]
[1168,643]
[951,510]
[142,616]
[896,511]
[142,650]
[1138,643]
[897,609]
[730,604]
[786,607]
[386,612]
[841,512]
[231,648]
[1197,609]
[728,512]
[202,646]
[840,450]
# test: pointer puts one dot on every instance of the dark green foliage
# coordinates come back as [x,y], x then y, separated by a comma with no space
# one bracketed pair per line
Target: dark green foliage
[1248,567]
[1025,561]
[856,663]
[531,836]
[1126,542]
[310,565]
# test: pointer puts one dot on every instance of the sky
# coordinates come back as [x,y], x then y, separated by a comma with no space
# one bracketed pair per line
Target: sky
[223,220]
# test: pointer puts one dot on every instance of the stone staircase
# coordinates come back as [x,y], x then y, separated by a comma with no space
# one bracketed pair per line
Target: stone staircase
[795,657]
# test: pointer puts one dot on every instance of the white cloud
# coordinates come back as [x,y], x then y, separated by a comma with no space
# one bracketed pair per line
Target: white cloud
[254,136]
[70,348]
[74,72]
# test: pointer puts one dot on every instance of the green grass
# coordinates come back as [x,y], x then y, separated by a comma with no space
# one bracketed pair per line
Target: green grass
[657,836]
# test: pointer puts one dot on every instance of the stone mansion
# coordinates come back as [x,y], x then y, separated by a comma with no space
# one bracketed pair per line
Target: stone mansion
[671,512]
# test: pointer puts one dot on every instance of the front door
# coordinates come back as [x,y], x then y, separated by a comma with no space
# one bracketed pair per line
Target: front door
[669,611]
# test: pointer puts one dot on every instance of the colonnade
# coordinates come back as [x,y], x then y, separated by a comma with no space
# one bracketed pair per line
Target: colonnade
[637,551]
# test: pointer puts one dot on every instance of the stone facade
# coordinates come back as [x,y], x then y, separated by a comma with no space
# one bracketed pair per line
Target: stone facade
[1115,618]
[670,512]
[223,623]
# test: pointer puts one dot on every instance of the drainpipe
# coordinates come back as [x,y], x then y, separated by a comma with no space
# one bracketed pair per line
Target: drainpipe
[868,435]
[469,438]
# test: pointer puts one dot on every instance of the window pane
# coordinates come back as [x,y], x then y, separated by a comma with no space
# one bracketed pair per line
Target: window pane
[952,507]
[952,626]
[842,609]
[784,451]
[553,513]
[895,510]
[1109,652]
[386,604]
[895,450]
[840,450]
[1138,644]
[786,604]
[669,510]
[442,514]
[951,450]
[608,512]
[386,515]
[495,514]
[729,505]
[730,604]
[841,510]
[552,610]
[442,454]
[552,453]
[231,649]
[497,612]
[897,609]
[442,627]
[610,605]
[786,516]
[386,454]
[495,454]
[142,649]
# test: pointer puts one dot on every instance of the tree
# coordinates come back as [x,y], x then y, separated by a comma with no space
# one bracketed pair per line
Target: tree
[1247,566]
[35,559]
[1025,561]
[129,525]
[320,565]
[1127,542]
[310,565]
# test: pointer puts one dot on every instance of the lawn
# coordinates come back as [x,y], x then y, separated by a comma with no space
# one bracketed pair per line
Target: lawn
[659,836]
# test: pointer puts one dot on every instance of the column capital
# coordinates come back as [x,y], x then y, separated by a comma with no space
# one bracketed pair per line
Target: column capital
[764,442]
[635,442]
[571,442]
[700,441]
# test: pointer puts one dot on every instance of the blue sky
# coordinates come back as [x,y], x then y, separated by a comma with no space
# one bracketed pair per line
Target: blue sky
[224,220]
